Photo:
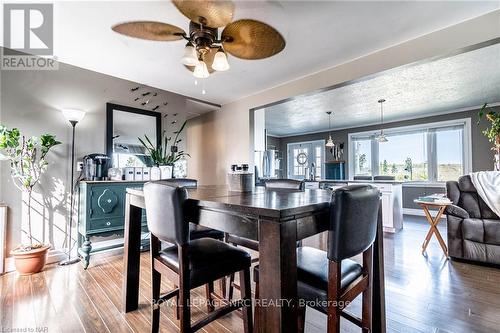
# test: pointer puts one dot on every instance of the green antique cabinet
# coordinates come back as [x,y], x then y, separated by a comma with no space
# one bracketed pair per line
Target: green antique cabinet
[101,214]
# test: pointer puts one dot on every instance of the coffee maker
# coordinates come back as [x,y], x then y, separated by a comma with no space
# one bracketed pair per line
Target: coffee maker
[95,167]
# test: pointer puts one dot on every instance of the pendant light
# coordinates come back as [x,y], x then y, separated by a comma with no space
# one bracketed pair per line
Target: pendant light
[329,142]
[381,137]
[220,63]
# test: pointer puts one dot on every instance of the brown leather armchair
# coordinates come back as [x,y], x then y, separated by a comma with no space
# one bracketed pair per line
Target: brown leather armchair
[473,228]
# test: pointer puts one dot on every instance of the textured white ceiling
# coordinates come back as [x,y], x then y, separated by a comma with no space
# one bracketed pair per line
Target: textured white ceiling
[319,34]
[462,81]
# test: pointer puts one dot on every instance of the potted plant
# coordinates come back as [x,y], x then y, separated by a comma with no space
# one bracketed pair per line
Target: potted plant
[168,152]
[493,132]
[27,162]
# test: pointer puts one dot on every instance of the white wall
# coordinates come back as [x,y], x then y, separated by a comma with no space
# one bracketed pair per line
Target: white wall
[226,135]
[31,101]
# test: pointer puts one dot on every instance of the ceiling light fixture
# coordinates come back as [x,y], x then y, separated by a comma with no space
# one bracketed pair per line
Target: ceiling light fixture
[329,142]
[381,137]
[212,32]
[220,63]
[190,57]
[201,70]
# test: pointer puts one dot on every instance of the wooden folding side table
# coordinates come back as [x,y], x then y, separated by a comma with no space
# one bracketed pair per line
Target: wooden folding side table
[433,221]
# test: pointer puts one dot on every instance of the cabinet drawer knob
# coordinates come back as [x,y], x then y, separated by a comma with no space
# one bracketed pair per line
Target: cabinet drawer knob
[108,223]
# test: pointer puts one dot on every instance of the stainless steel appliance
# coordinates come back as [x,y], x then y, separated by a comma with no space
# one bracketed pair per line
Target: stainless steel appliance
[95,167]
[266,165]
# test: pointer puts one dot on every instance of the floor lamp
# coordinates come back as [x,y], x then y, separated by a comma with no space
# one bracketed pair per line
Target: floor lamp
[73,116]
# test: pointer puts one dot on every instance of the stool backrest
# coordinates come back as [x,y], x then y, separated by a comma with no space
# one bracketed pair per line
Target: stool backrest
[164,211]
[363,178]
[384,177]
[353,221]
[284,184]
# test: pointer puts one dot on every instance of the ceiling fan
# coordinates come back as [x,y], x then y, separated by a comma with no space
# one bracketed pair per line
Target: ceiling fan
[205,51]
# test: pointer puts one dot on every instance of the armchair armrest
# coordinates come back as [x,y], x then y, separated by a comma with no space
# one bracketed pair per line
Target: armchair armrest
[457,211]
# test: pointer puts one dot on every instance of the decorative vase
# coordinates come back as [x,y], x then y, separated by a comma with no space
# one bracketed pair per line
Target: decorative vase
[166,171]
[155,173]
[30,262]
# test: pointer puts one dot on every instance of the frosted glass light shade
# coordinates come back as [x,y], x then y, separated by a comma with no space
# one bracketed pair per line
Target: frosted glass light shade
[73,114]
[330,143]
[220,63]
[381,137]
[190,58]
[201,70]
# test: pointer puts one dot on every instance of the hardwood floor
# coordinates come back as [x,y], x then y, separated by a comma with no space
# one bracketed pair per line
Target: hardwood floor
[423,294]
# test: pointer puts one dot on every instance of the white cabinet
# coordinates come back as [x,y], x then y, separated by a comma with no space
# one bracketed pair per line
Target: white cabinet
[392,205]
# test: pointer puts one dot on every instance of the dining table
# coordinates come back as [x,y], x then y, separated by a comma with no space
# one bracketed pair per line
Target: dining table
[277,220]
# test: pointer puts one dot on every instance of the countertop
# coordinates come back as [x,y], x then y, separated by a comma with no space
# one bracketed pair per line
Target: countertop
[112,181]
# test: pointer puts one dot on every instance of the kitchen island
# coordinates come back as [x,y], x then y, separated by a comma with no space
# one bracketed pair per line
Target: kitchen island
[392,198]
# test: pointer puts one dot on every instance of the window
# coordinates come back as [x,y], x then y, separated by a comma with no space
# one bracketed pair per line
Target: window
[300,157]
[363,156]
[305,158]
[449,155]
[431,152]
[404,156]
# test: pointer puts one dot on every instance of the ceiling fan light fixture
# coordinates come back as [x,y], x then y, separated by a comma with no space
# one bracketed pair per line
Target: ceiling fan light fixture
[220,63]
[201,70]
[190,58]
[211,36]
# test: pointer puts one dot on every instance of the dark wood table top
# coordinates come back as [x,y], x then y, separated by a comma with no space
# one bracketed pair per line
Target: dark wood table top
[277,204]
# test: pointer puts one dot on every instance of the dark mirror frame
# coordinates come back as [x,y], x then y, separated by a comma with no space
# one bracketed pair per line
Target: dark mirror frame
[109,124]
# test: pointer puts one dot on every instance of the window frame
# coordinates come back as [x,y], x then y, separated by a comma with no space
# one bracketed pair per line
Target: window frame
[432,168]
[313,143]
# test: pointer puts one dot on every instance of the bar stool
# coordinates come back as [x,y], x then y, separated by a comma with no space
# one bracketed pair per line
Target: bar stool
[329,281]
[189,263]
[198,231]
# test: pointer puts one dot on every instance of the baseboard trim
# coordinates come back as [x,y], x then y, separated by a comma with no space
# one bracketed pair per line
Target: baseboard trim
[52,257]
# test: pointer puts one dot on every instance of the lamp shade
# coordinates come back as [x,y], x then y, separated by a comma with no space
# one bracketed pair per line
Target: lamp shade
[381,137]
[73,114]
[190,57]
[220,63]
[329,143]
[201,70]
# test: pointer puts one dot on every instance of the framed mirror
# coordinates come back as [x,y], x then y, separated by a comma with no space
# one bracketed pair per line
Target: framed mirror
[124,125]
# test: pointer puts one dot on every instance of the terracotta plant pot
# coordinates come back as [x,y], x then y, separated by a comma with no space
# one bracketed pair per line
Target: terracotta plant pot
[30,262]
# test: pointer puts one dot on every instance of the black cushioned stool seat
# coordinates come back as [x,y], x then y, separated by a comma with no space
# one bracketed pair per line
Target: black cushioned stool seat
[209,260]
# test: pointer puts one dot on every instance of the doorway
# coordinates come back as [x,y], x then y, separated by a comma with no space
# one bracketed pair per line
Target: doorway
[306,157]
